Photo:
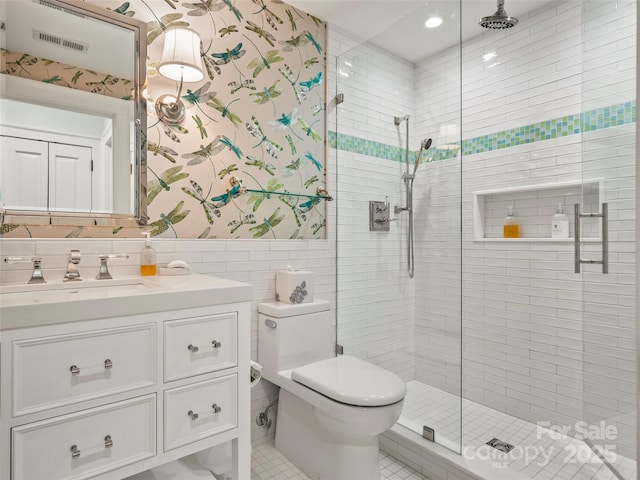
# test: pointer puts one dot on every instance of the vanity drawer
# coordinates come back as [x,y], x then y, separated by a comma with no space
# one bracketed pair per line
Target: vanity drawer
[200,345]
[200,410]
[71,368]
[85,444]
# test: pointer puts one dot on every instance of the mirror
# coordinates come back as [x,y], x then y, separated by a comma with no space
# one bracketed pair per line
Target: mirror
[72,117]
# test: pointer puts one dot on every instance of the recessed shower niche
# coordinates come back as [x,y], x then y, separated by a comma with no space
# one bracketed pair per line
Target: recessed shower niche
[534,206]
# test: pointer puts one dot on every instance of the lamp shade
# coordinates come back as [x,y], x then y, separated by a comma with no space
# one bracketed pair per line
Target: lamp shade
[181,55]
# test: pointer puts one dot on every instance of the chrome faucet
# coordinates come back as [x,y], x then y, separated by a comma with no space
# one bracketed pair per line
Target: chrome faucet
[73,274]
[103,273]
[36,275]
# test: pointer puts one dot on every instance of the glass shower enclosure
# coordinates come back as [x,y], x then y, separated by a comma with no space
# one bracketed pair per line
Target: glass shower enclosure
[515,343]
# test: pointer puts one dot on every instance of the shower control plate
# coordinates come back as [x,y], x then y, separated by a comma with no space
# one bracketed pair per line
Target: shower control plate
[378,216]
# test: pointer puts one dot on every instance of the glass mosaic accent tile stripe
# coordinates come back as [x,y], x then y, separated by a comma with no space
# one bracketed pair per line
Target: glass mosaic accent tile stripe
[589,121]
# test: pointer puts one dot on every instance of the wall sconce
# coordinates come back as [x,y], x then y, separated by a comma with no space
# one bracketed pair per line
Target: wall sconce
[180,62]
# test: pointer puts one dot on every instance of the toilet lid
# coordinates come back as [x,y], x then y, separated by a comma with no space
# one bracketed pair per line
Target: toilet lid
[352,381]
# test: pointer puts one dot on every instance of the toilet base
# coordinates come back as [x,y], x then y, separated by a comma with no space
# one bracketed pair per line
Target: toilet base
[319,452]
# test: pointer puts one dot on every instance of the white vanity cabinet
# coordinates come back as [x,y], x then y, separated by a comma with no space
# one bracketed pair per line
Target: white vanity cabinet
[99,393]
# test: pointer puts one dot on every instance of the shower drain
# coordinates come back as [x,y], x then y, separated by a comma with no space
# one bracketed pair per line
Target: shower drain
[500,445]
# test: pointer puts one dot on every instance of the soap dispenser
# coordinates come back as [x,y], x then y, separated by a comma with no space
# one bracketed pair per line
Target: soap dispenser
[559,224]
[510,226]
[147,258]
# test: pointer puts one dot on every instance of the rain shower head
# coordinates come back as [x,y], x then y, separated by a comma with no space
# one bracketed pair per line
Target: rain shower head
[499,20]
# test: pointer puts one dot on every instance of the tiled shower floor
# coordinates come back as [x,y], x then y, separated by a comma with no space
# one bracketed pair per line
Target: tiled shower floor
[267,463]
[426,405]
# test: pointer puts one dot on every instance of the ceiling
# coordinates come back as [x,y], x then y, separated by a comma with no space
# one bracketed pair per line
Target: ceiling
[398,25]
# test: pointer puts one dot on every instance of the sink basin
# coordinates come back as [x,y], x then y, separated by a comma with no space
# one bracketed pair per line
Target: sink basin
[23,305]
[61,292]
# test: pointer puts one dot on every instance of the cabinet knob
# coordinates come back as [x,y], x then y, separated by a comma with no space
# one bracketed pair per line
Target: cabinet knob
[216,408]
[193,348]
[193,415]
[216,344]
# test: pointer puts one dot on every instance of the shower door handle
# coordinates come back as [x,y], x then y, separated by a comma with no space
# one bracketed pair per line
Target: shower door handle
[578,260]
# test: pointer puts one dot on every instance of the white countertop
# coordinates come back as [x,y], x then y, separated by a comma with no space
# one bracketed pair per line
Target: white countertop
[24,305]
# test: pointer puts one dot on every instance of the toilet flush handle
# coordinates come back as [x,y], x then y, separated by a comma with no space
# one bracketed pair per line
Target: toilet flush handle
[270,323]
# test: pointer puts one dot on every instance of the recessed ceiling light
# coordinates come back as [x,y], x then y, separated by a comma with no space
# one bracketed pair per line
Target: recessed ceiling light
[433,22]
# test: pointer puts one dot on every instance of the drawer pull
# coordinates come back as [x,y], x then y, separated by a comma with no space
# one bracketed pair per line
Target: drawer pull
[75,370]
[194,348]
[193,415]
[75,451]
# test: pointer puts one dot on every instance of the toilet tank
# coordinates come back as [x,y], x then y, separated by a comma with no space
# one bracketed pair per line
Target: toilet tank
[291,335]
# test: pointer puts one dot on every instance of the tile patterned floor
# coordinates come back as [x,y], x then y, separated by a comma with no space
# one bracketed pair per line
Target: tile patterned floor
[549,457]
[267,463]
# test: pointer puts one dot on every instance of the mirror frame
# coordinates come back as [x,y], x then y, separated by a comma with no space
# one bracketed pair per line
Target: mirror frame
[139,216]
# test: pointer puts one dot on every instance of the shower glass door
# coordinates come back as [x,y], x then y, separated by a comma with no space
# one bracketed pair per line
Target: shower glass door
[608,371]
[410,326]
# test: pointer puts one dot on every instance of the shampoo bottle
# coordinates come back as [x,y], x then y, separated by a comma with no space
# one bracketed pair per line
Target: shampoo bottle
[559,224]
[510,226]
[147,258]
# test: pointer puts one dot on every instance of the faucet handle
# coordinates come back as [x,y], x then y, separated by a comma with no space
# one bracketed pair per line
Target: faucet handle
[103,273]
[36,275]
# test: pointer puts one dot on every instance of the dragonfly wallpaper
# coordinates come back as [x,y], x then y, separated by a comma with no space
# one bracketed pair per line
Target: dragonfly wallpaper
[258,116]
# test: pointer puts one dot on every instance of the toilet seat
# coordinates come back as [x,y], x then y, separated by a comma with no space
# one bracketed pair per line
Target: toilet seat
[351,381]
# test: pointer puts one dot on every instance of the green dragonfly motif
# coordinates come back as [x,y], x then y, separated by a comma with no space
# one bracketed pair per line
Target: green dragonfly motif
[255,130]
[292,145]
[224,110]
[102,86]
[196,192]
[287,73]
[204,153]
[203,7]
[170,131]
[236,224]
[76,77]
[239,85]
[227,170]
[294,43]
[166,152]
[233,9]
[20,65]
[156,28]
[169,220]
[309,132]
[162,182]
[272,18]
[268,94]
[317,226]
[267,225]
[124,10]
[205,233]
[226,141]
[228,30]
[209,65]
[310,181]
[252,27]
[200,125]
[261,165]
[292,21]
[54,79]
[264,61]
[291,202]
[256,198]
[226,197]
[311,61]
[313,41]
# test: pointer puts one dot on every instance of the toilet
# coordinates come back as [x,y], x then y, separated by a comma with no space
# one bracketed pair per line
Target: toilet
[331,409]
